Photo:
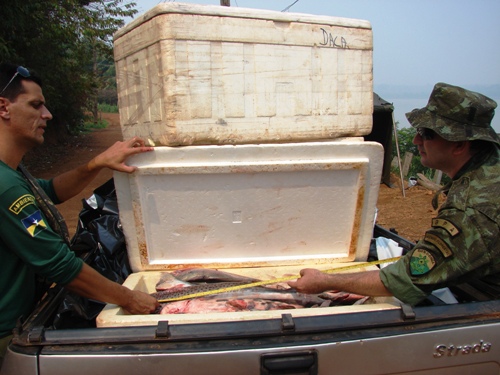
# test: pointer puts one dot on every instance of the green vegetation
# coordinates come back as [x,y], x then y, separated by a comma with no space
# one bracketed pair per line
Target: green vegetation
[107,108]
[90,123]
[69,44]
[88,126]
[405,142]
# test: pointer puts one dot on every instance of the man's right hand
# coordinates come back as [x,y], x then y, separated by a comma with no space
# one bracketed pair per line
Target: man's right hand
[312,281]
[91,284]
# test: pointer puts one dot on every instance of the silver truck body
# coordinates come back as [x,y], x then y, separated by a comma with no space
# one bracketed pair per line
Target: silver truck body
[451,339]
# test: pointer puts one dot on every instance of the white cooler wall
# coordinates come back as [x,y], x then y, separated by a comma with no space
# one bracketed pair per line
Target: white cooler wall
[191,74]
[250,205]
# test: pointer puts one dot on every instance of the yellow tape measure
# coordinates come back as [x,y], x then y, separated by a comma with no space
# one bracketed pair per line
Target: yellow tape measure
[273,281]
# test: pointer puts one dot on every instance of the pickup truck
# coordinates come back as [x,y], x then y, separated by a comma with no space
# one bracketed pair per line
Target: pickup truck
[461,338]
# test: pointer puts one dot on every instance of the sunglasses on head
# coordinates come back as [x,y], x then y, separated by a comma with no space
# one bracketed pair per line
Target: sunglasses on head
[22,71]
[426,134]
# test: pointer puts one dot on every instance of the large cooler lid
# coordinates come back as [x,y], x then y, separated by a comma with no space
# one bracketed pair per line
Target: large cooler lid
[237,12]
[250,205]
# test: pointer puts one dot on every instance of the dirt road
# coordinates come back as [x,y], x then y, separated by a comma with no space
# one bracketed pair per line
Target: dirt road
[410,215]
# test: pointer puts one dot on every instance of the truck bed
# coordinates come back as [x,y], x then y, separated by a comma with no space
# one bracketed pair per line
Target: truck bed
[456,339]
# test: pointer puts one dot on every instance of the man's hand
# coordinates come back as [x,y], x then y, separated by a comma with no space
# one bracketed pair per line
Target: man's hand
[91,284]
[114,157]
[312,281]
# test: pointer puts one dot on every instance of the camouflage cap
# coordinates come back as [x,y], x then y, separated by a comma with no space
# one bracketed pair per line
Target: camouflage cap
[456,114]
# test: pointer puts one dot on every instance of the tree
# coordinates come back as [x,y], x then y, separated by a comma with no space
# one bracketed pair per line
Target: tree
[108,90]
[62,40]
[405,142]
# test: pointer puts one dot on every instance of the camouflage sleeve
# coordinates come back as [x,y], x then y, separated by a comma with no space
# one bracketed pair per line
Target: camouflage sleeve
[459,246]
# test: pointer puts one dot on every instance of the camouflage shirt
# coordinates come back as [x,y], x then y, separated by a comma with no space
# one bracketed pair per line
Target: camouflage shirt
[462,244]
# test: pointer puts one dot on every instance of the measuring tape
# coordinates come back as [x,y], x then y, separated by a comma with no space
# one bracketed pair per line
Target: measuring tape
[273,281]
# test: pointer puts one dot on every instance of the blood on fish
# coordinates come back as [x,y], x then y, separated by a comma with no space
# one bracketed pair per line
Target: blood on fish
[204,305]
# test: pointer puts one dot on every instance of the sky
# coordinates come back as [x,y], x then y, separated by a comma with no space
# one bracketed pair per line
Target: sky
[416,43]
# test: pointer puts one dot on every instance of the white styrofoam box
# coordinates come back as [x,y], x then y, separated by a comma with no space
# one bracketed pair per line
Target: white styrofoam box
[250,205]
[196,74]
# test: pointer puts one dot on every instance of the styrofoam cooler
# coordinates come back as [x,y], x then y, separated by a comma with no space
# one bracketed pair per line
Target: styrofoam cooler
[195,74]
[263,210]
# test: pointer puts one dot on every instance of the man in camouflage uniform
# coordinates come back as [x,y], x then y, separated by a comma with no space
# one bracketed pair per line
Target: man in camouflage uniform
[461,248]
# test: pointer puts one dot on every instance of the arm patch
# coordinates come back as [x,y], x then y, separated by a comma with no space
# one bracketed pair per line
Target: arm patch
[446,225]
[439,244]
[21,202]
[421,262]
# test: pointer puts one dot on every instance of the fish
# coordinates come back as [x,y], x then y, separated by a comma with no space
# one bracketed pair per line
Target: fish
[256,298]
[251,298]
[167,281]
[229,303]
[339,298]
[190,276]
[256,292]
[209,275]
[178,291]
[209,305]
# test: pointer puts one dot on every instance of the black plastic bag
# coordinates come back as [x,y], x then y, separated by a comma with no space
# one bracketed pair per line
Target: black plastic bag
[100,242]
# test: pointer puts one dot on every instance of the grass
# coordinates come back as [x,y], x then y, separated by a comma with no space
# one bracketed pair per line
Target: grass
[107,108]
[91,125]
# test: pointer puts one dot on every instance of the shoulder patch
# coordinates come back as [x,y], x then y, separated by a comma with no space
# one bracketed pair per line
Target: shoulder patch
[439,244]
[34,223]
[21,202]
[446,225]
[421,262]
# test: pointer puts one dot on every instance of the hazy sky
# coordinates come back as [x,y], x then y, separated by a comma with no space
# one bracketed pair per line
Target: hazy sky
[416,43]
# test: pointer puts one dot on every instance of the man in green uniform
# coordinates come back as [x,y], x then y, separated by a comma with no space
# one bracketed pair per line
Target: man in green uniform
[454,134]
[28,244]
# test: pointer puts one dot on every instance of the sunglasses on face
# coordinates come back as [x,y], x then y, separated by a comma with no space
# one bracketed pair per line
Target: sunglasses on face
[22,71]
[426,134]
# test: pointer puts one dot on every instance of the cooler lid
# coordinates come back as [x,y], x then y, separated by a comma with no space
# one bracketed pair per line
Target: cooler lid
[250,205]
[237,12]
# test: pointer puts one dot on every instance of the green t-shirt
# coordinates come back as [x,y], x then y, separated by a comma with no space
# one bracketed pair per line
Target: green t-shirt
[462,245]
[28,246]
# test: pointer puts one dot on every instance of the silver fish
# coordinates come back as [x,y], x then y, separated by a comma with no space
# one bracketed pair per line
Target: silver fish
[177,292]
[256,292]
[208,275]
[167,281]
